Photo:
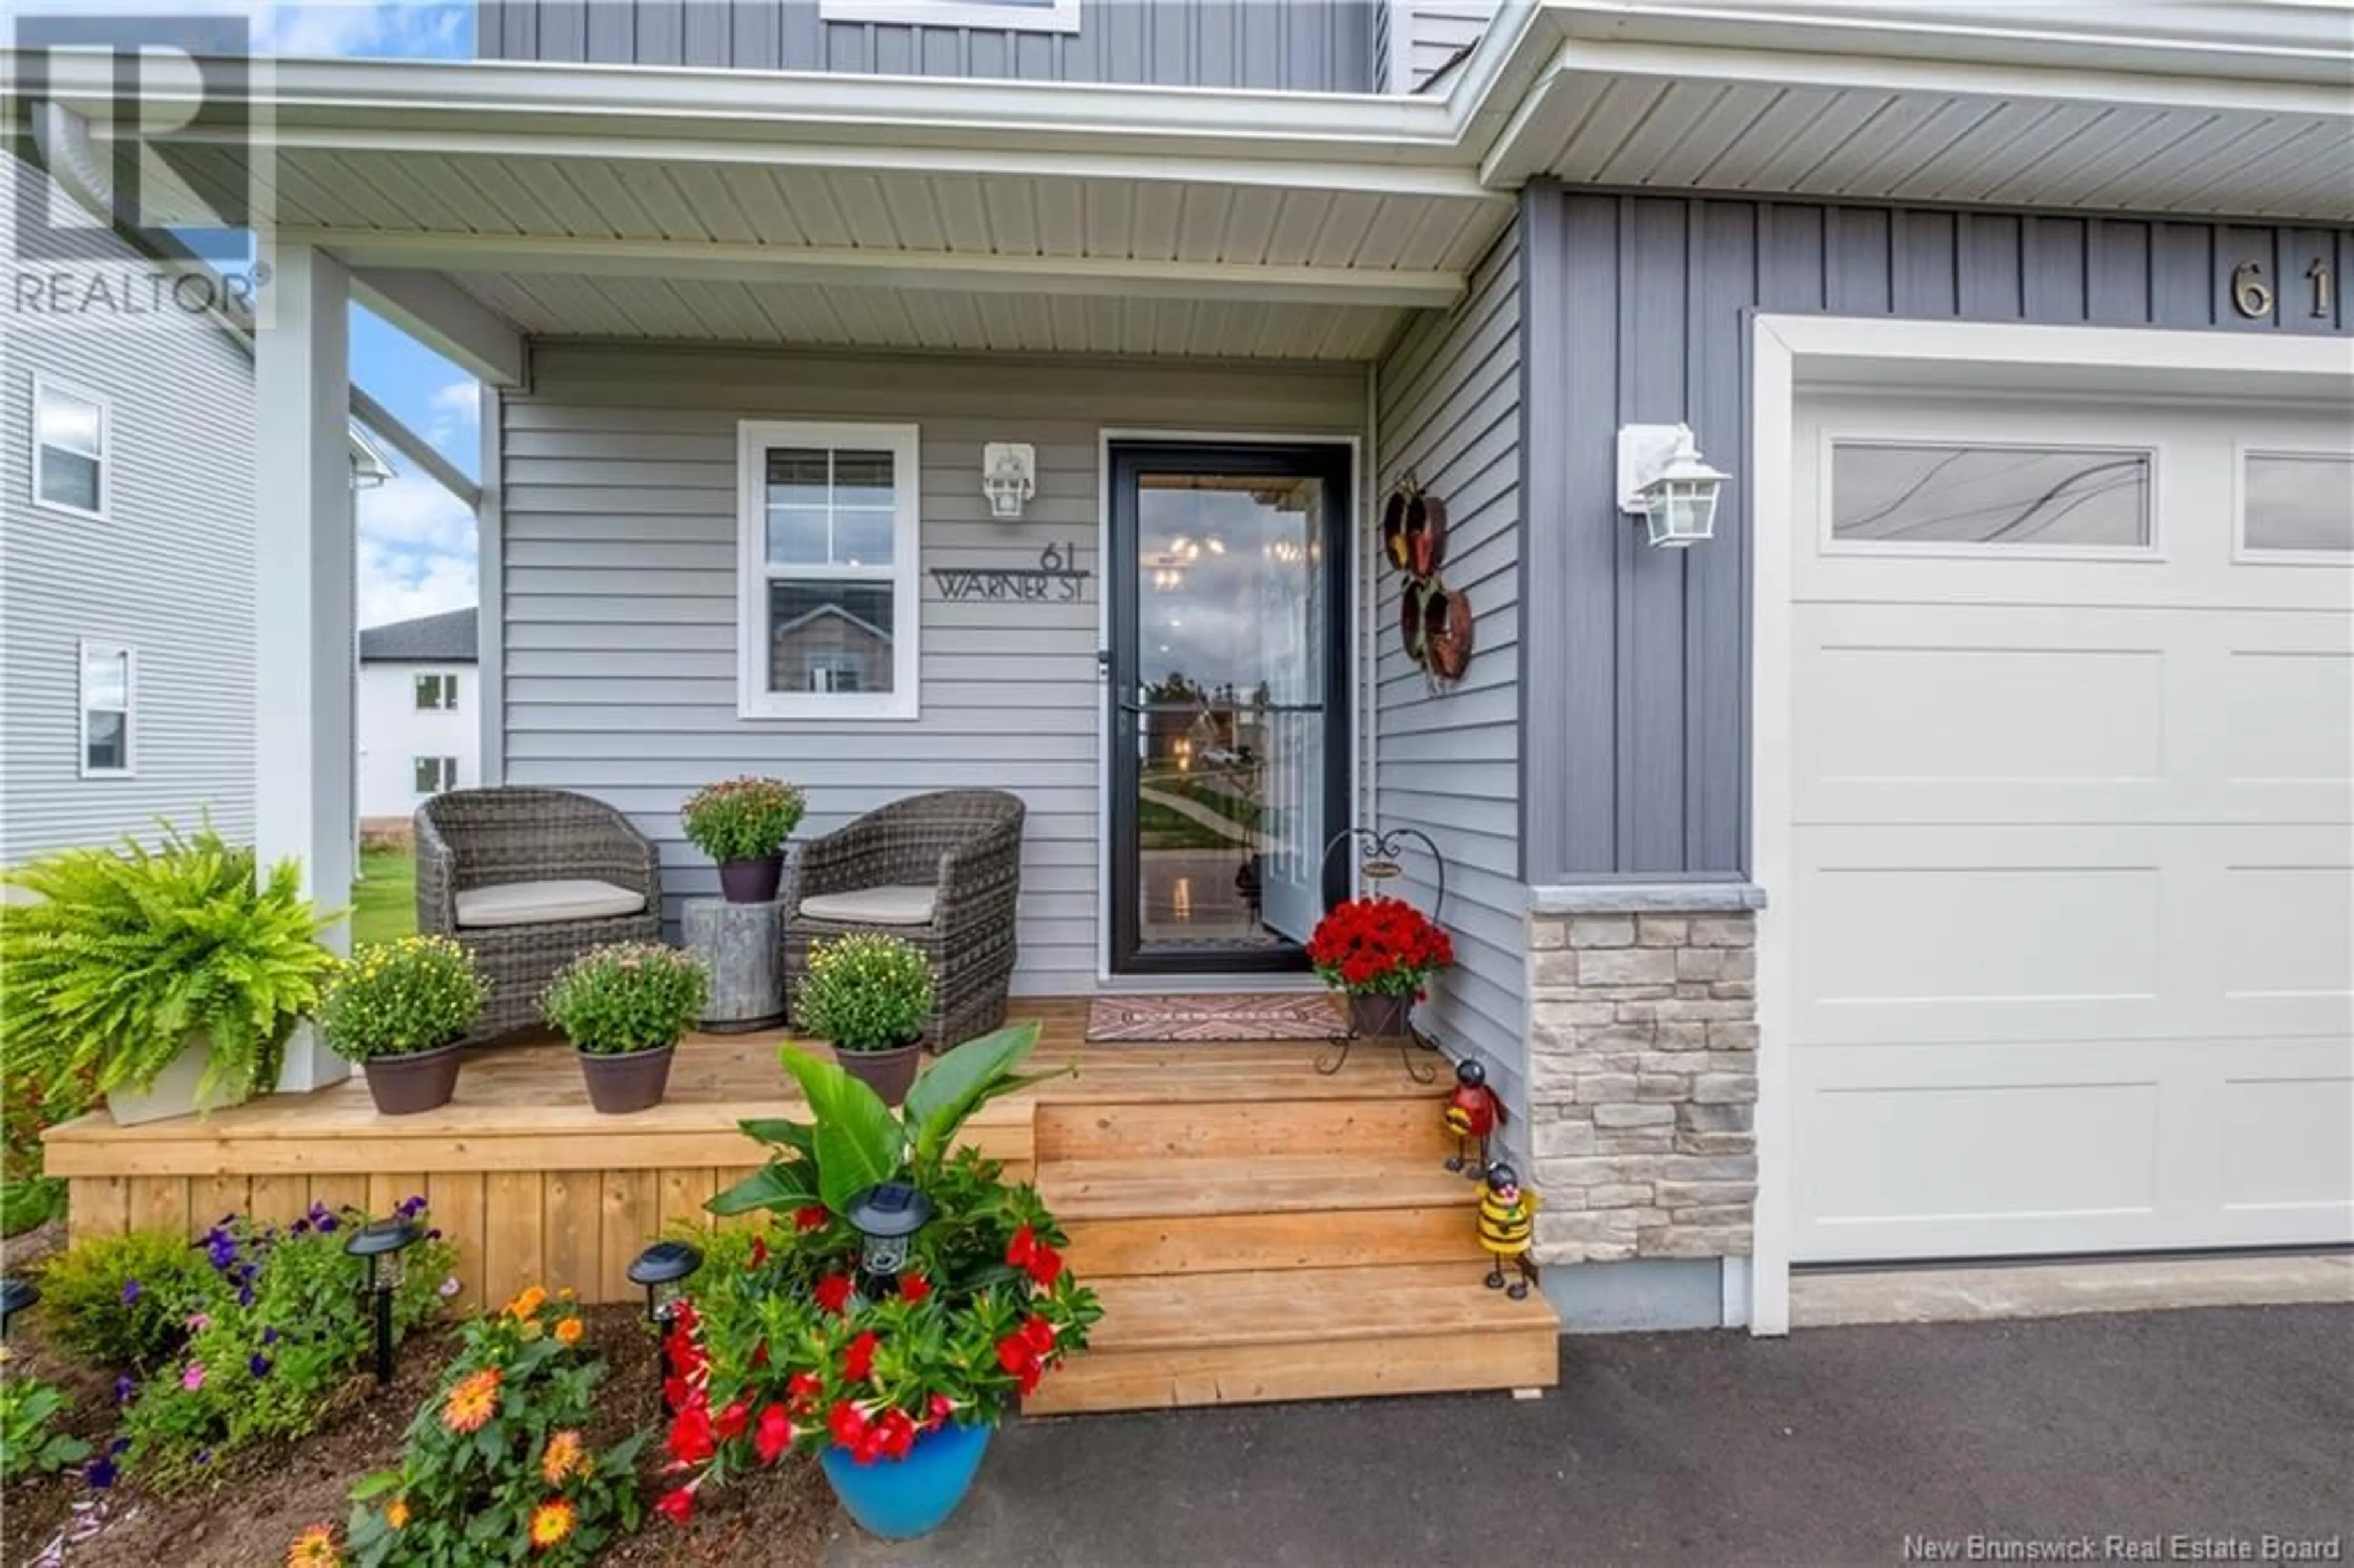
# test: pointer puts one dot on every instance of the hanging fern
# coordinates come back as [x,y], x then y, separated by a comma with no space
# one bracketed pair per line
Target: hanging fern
[129,955]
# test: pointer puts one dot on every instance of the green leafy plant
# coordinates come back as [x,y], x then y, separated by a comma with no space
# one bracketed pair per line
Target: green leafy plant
[123,1300]
[28,1407]
[865,993]
[277,1337]
[742,819]
[130,955]
[785,1346]
[496,1467]
[31,1104]
[398,998]
[631,996]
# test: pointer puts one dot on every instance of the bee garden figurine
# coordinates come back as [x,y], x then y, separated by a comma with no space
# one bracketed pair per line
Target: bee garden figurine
[1508,1222]
[1473,1110]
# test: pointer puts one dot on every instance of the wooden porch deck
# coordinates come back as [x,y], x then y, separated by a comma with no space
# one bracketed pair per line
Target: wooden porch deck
[1234,1206]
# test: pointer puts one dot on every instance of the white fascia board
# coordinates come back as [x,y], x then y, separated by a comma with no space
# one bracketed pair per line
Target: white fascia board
[447,319]
[1125,278]
[367,411]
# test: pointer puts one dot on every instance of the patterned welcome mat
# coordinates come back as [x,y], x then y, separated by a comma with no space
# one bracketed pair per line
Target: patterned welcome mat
[1267,1016]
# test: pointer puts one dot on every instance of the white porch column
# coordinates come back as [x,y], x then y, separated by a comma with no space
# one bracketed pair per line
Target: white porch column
[304,574]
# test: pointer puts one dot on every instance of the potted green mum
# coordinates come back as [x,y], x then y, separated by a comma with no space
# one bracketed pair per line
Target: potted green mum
[625,1007]
[400,1010]
[743,824]
[171,977]
[868,997]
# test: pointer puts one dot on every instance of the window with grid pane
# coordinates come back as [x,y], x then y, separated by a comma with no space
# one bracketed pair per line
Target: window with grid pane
[829,592]
[108,680]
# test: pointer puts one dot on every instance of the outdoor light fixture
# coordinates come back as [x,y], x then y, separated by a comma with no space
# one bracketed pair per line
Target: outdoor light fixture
[661,1270]
[1009,477]
[887,1216]
[15,1295]
[381,1242]
[1663,480]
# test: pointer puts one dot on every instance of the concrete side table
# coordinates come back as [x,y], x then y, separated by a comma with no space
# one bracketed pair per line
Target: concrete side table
[743,943]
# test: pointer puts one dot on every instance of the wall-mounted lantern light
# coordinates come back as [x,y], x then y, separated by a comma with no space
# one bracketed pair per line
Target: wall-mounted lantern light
[381,1242]
[1663,480]
[1009,477]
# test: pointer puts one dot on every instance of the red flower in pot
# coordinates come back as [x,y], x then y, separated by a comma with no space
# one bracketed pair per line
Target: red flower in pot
[1381,952]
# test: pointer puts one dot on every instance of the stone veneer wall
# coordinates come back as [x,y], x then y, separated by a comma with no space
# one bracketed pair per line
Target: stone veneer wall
[1642,1084]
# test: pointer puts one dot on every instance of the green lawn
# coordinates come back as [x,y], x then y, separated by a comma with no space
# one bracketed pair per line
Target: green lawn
[384,900]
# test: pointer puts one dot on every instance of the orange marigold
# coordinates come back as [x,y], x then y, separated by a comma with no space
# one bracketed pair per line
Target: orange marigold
[530,1301]
[396,1514]
[569,1330]
[565,1455]
[315,1548]
[551,1522]
[473,1402]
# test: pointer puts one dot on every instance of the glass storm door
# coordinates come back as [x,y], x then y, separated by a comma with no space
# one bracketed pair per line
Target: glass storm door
[1229,702]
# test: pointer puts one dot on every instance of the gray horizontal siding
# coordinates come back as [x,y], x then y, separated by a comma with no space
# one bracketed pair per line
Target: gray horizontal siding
[618,589]
[1448,762]
[1637,760]
[1309,46]
[170,572]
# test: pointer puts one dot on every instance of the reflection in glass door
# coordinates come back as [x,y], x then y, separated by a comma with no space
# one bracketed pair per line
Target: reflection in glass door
[1229,701]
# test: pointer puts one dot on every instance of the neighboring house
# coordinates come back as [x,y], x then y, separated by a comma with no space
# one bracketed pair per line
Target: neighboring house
[418,730]
[126,575]
[1947,858]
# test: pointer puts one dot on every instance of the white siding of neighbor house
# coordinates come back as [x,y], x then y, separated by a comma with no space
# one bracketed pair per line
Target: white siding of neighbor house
[395,732]
[1433,33]
[616,598]
[1448,762]
[170,572]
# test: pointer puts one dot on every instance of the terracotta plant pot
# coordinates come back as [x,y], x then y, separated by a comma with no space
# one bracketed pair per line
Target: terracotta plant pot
[890,1073]
[751,881]
[1375,1017]
[633,1081]
[420,1081]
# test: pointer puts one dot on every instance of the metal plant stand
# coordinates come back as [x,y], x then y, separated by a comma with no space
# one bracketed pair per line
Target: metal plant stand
[1380,851]
[743,947]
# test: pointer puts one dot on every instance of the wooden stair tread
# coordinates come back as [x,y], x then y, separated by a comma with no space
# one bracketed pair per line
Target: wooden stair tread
[1259,1184]
[1310,1306]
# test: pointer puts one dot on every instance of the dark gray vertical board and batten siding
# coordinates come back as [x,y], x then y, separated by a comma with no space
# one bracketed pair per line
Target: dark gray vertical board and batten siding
[1638,310]
[618,589]
[1304,46]
[1448,762]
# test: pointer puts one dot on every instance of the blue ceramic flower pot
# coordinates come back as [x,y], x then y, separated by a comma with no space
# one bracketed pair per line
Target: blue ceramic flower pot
[900,1498]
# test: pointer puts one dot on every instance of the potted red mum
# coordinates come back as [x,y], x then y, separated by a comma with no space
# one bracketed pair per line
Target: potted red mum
[890,1353]
[1381,952]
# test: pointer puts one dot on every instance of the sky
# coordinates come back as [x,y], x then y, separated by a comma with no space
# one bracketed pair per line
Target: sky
[417,547]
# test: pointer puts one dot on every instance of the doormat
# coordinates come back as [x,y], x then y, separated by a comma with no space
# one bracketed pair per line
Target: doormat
[1273,1015]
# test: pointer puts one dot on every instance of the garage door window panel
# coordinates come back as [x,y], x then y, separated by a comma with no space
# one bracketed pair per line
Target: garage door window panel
[1952,498]
[2296,507]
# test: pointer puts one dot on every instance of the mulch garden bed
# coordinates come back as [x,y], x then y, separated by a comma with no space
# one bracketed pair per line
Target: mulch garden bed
[267,1497]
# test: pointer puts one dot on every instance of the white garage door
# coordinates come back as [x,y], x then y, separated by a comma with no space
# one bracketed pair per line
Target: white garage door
[2072,754]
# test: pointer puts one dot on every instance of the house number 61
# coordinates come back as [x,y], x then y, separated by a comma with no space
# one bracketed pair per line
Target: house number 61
[2252,293]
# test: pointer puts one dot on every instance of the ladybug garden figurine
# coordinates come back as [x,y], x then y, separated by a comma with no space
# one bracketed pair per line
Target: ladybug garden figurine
[1473,1110]
[1508,1222]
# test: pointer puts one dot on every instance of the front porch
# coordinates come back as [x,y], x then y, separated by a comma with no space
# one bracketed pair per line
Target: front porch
[1234,1206]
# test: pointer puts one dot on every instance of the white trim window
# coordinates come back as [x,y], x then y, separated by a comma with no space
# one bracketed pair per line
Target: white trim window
[1007,16]
[109,693]
[69,450]
[432,775]
[437,692]
[827,602]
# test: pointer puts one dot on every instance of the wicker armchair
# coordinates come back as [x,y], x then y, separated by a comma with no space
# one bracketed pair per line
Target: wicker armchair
[965,846]
[471,839]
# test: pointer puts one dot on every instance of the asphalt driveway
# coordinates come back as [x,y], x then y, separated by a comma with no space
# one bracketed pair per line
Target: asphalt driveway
[1833,1446]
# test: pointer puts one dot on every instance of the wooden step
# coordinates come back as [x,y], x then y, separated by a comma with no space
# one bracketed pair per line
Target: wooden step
[1198,1244]
[1324,1333]
[1262,1184]
[1407,1129]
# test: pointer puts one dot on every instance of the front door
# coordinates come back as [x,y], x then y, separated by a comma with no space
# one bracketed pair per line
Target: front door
[1228,707]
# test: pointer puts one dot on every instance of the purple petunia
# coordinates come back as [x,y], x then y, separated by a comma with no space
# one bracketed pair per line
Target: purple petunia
[258,1364]
[99,1474]
[130,1291]
[268,1336]
[124,1388]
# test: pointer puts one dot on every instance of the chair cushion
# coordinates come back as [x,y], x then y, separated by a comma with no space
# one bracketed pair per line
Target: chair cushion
[902,903]
[544,902]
